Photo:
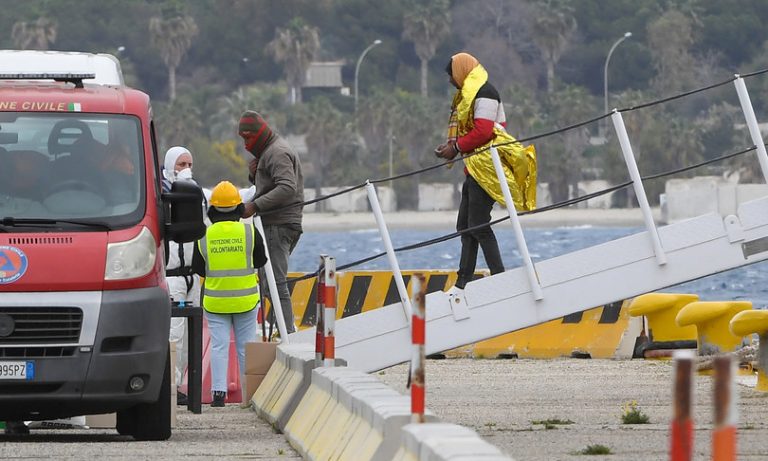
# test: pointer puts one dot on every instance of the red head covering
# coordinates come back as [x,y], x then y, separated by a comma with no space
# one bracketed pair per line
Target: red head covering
[254,131]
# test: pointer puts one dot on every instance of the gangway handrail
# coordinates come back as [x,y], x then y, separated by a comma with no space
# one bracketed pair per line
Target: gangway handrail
[564,203]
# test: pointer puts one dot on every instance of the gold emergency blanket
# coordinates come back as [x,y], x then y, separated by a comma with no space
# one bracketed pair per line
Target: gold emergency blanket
[518,161]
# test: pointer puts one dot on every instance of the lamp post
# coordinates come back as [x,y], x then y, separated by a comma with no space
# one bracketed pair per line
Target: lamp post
[357,67]
[605,70]
[391,138]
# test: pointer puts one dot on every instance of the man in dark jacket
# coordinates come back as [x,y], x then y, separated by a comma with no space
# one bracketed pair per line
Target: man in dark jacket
[275,170]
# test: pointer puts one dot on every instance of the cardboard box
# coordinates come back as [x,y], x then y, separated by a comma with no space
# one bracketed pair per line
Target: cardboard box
[259,357]
[252,383]
[105,421]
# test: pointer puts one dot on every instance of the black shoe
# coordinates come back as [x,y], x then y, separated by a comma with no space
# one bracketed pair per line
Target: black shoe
[16,428]
[218,398]
[181,398]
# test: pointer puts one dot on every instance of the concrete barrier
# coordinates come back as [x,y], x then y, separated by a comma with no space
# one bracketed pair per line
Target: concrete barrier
[348,415]
[343,414]
[284,384]
[689,197]
[442,441]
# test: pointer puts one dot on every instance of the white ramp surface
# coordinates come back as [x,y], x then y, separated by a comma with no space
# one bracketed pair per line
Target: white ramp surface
[570,283]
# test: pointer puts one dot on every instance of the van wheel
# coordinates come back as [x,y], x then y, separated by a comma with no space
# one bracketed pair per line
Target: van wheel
[125,422]
[149,421]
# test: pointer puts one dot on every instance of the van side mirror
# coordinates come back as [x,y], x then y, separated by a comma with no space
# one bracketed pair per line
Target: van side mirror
[184,212]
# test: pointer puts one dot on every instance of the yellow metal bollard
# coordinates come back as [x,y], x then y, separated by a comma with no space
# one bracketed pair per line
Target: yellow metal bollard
[711,319]
[755,322]
[661,309]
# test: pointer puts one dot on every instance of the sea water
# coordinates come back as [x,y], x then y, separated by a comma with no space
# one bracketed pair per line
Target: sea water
[748,283]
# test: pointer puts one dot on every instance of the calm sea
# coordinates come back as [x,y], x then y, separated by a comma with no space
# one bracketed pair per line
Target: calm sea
[748,283]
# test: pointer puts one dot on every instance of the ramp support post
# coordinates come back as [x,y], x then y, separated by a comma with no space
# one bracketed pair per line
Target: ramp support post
[725,419]
[274,298]
[637,184]
[681,431]
[418,355]
[320,314]
[377,213]
[329,314]
[754,128]
[530,270]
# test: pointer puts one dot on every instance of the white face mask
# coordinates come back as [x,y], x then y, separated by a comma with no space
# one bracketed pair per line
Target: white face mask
[185,174]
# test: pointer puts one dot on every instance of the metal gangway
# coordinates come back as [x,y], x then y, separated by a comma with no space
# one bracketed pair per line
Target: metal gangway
[653,259]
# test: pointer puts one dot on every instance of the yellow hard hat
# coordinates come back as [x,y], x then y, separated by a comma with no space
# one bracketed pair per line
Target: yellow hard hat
[225,195]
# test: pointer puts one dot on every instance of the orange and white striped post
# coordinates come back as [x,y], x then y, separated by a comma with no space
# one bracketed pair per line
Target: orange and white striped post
[319,313]
[681,430]
[418,357]
[724,431]
[329,317]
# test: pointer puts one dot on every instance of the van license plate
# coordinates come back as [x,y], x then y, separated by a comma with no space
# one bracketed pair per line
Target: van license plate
[17,370]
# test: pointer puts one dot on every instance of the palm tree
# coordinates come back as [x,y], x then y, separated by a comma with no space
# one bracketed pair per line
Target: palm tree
[328,132]
[294,46]
[671,38]
[552,31]
[35,35]
[427,23]
[259,97]
[172,37]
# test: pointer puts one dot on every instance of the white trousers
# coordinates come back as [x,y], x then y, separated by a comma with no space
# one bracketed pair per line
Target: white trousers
[177,288]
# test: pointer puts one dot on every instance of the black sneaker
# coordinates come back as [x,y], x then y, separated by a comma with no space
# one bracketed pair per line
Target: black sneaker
[181,398]
[16,428]
[218,398]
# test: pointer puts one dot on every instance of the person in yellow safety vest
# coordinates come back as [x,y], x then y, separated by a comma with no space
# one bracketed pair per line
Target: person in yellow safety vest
[228,257]
[478,122]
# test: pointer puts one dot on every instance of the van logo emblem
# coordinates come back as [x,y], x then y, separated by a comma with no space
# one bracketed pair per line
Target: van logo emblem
[13,264]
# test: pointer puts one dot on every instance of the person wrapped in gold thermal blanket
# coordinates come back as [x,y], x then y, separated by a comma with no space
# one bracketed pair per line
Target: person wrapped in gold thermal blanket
[478,122]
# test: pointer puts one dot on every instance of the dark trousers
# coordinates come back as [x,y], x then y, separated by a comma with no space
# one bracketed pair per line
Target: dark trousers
[475,209]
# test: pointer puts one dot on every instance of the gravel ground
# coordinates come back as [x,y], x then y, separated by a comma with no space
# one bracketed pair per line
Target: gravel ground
[501,398]
[219,433]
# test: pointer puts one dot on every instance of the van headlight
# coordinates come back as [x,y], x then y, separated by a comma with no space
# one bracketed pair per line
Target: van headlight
[131,259]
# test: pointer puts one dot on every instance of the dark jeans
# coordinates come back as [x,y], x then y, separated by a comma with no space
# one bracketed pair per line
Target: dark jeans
[475,209]
[280,241]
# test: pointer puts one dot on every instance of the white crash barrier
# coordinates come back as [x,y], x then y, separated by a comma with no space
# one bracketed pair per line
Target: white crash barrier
[443,442]
[343,414]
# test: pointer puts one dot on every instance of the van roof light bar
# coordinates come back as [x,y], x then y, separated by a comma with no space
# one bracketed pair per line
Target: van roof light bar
[67,77]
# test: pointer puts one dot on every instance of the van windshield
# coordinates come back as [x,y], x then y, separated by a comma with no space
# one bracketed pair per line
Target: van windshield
[71,166]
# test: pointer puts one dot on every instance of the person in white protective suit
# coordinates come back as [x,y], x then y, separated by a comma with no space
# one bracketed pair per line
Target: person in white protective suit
[183,285]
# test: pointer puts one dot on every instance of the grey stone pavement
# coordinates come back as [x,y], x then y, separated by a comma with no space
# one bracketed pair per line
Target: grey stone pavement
[218,433]
[500,399]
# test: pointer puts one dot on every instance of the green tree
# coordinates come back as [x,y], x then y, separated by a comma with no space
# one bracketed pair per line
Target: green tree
[295,46]
[260,97]
[414,125]
[426,23]
[328,134]
[218,161]
[179,122]
[498,34]
[172,37]
[670,38]
[34,35]
[561,157]
[553,29]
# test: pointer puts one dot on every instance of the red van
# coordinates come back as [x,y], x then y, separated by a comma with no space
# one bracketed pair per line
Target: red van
[84,308]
